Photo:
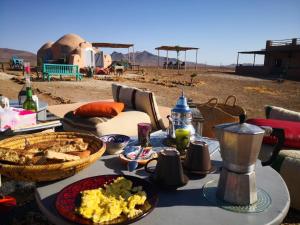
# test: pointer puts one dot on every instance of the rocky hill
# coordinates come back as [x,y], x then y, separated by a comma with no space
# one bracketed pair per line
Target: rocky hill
[144,58]
[7,53]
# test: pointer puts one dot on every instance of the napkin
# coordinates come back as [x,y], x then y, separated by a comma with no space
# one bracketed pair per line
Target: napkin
[130,152]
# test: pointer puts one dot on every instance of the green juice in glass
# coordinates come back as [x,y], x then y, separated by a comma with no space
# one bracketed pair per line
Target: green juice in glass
[182,139]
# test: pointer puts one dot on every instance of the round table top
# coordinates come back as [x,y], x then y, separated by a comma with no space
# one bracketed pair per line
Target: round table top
[186,205]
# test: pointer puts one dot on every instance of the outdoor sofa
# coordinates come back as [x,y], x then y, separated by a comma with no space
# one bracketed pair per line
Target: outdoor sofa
[287,162]
[140,106]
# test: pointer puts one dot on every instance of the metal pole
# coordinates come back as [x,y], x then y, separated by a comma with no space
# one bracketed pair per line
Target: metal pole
[254,60]
[196,59]
[185,60]
[177,62]
[133,56]
[167,59]
[237,59]
[157,58]
[128,56]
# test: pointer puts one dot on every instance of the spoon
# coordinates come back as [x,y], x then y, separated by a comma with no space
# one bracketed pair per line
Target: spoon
[133,164]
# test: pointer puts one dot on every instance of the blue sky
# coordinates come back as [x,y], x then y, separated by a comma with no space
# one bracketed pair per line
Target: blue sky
[218,28]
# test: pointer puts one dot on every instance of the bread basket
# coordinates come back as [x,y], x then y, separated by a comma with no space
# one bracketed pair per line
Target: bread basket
[49,172]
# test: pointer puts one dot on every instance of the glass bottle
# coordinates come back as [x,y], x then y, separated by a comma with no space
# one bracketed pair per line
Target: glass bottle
[29,104]
[22,94]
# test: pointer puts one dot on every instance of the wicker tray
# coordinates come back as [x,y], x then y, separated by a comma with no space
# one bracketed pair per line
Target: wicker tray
[50,172]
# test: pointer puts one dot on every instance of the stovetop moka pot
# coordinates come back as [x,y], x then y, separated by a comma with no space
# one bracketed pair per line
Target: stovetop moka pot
[240,144]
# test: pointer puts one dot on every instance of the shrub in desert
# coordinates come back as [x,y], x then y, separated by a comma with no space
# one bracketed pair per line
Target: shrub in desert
[193,75]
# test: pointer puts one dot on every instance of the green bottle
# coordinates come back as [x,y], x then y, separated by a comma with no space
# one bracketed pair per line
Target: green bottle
[29,104]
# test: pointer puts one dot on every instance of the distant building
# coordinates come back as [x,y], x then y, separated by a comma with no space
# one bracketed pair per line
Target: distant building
[282,59]
[72,49]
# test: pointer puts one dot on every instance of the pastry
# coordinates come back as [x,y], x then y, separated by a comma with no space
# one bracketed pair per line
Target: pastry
[82,154]
[60,156]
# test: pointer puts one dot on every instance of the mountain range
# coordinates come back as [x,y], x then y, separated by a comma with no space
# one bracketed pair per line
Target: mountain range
[142,58]
[145,58]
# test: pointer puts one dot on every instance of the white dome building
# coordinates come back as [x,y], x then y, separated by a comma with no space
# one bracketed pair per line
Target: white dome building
[70,49]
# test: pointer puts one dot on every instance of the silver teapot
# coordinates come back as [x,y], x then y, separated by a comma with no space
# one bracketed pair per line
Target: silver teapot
[181,117]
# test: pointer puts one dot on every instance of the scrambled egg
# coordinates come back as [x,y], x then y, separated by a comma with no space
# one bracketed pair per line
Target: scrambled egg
[108,203]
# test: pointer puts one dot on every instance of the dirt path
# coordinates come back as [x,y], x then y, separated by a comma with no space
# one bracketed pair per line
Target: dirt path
[10,86]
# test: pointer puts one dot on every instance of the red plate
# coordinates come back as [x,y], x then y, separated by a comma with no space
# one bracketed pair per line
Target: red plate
[68,198]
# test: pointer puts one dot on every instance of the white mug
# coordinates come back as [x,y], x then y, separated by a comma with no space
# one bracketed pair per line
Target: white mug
[4,102]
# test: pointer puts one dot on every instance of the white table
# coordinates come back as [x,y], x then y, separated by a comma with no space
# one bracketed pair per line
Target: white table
[186,206]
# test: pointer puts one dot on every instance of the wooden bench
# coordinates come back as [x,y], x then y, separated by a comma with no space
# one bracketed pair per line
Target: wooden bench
[50,70]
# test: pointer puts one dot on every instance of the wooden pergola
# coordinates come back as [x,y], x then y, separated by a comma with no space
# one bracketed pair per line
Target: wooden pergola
[176,49]
[116,45]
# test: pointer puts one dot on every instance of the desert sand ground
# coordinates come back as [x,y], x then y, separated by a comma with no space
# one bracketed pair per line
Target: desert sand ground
[252,94]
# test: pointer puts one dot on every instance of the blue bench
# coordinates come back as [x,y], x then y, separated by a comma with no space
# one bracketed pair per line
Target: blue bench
[50,70]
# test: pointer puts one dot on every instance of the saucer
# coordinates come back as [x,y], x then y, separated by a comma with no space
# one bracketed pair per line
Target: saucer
[199,172]
[170,187]
[141,161]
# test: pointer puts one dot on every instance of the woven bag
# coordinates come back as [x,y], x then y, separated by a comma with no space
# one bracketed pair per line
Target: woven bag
[215,113]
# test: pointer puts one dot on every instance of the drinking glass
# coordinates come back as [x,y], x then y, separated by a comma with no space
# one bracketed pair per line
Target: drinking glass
[144,130]
[27,67]
[182,139]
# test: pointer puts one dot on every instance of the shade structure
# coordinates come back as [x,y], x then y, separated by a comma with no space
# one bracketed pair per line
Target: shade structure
[178,49]
[116,45]
[175,48]
[111,45]
[254,53]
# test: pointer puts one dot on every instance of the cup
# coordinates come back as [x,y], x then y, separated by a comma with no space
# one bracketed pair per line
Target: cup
[197,157]
[4,102]
[168,171]
[182,139]
[144,130]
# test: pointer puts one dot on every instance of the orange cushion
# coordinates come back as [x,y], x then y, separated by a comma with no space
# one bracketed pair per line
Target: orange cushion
[100,109]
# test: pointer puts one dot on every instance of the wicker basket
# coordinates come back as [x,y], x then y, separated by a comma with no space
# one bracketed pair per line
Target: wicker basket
[50,172]
[216,113]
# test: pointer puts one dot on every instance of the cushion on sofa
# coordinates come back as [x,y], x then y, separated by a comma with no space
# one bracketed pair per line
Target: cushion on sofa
[100,109]
[291,131]
[138,99]
[274,112]
[125,123]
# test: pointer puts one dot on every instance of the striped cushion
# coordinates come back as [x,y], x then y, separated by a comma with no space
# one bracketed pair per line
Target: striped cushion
[274,112]
[140,100]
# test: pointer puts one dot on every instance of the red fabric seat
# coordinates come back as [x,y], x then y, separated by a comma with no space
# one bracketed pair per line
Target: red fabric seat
[291,131]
